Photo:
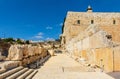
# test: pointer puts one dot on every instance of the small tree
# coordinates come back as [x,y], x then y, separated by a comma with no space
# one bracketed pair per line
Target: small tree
[10,40]
[27,42]
[19,41]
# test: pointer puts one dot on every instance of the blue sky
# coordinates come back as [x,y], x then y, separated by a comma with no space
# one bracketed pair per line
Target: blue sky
[42,19]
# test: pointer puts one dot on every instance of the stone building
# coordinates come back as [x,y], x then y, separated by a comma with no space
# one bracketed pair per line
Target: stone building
[94,37]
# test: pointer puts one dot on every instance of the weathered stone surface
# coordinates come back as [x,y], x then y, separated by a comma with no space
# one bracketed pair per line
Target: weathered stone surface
[15,52]
[51,52]
[104,20]
[25,51]
[11,64]
[93,36]
[18,52]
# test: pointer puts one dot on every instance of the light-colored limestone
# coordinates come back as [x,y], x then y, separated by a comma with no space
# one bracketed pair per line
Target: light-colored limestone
[26,54]
[6,74]
[96,42]
[15,52]
[18,52]
[62,66]
[51,52]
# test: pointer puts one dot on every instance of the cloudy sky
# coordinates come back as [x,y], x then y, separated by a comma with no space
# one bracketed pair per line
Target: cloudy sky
[42,19]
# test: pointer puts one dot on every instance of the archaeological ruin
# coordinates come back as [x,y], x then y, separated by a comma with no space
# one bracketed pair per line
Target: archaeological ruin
[93,38]
[89,43]
[24,59]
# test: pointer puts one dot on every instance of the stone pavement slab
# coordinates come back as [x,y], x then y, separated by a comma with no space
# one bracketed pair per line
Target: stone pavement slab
[62,66]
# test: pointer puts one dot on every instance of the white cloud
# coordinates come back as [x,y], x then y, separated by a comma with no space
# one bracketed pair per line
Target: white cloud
[61,24]
[39,35]
[50,39]
[49,28]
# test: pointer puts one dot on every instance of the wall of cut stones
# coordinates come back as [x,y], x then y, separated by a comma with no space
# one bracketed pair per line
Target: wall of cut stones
[103,20]
[95,49]
[96,43]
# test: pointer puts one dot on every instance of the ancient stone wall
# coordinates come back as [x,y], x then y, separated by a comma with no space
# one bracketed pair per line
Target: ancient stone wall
[95,49]
[84,41]
[26,54]
[116,57]
[106,58]
[94,37]
[72,28]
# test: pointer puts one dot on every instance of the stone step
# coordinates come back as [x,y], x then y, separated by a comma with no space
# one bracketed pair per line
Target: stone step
[24,75]
[32,74]
[15,75]
[10,72]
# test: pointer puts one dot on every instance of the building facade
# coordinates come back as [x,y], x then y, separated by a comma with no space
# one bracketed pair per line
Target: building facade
[93,36]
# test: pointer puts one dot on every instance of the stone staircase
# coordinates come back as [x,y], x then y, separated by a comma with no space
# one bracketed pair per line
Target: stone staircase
[22,72]
[18,73]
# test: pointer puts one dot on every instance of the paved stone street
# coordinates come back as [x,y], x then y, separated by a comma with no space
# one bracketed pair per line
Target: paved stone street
[62,66]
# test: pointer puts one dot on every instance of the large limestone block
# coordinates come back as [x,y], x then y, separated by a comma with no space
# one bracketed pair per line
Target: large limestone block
[44,52]
[36,50]
[25,51]
[40,50]
[51,52]
[116,59]
[15,52]
[31,51]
